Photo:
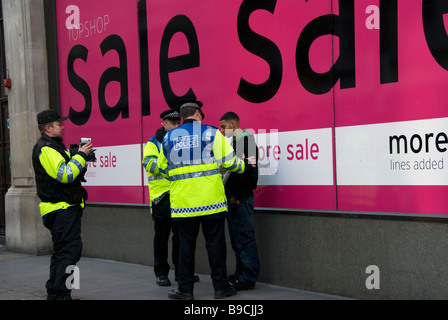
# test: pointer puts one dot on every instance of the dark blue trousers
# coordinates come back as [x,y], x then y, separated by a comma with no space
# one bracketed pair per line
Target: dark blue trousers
[65,227]
[163,226]
[213,229]
[242,237]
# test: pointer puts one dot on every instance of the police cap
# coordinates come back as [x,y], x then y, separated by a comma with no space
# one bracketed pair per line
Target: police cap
[170,114]
[48,116]
[191,103]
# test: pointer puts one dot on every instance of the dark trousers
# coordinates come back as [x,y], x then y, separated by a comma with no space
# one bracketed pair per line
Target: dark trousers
[65,227]
[213,230]
[162,229]
[242,237]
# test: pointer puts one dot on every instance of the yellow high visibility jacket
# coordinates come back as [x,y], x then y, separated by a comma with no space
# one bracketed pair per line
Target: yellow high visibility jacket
[158,185]
[190,157]
[57,175]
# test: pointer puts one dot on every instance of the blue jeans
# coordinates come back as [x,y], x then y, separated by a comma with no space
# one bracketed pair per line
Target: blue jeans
[242,237]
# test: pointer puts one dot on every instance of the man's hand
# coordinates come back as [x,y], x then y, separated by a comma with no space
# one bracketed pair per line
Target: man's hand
[87,148]
[222,170]
[251,160]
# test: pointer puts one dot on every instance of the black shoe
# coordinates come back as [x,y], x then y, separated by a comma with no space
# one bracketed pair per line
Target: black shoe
[238,286]
[51,296]
[176,294]
[230,291]
[163,281]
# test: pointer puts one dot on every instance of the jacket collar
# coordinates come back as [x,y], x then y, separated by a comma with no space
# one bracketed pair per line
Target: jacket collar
[191,121]
[55,140]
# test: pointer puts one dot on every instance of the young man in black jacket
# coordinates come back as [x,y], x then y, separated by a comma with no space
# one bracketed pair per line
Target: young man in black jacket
[240,197]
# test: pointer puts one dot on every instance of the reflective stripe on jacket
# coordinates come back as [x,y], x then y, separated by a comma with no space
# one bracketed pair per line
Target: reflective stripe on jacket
[190,157]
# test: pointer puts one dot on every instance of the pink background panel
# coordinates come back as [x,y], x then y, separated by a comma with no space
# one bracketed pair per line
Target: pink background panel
[224,61]
[421,87]
[122,19]
[115,194]
[402,199]
[296,197]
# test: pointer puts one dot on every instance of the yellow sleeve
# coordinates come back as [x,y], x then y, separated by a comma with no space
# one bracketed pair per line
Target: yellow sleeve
[225,155]
[56,167]
[150,158]
[162,161]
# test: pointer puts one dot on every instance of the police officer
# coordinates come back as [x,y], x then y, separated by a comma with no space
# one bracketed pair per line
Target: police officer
[58,182]
[159,189]
[190,157]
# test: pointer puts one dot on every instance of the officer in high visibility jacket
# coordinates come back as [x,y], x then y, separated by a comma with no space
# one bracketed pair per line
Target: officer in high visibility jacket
[190,157]
[58,182]
[159,189]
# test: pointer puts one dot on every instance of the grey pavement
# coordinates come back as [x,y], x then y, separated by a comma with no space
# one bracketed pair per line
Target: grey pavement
[23,277]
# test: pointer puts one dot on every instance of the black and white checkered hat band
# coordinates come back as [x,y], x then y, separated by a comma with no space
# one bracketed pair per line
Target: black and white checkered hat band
[173,114]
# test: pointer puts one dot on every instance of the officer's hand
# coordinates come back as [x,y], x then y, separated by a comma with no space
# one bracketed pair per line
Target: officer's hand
[87,148]
[253,161]
[222,170]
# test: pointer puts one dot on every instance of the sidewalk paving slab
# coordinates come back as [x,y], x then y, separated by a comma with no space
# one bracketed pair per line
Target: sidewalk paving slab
[23,277]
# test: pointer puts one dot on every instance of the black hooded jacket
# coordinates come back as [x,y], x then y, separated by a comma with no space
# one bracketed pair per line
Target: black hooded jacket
[242,185]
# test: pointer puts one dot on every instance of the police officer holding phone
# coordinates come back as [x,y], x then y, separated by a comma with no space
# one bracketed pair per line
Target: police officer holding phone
[58,182]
